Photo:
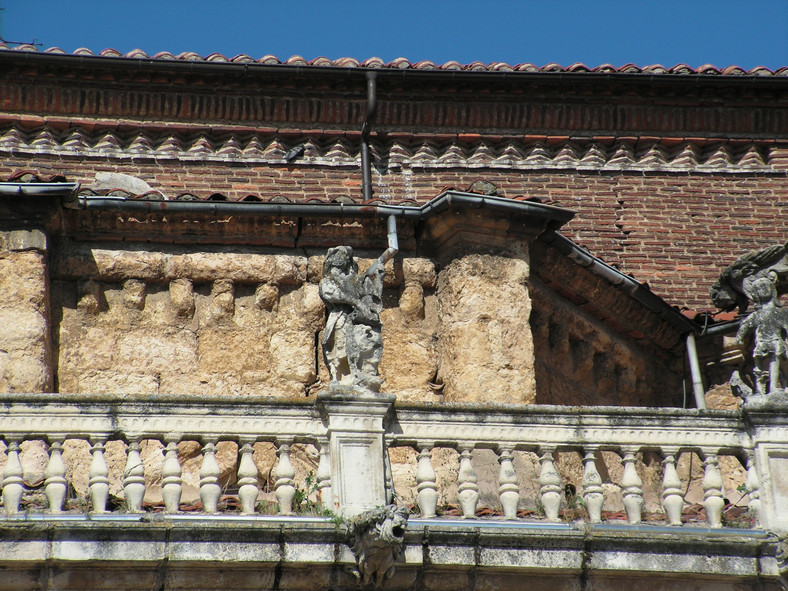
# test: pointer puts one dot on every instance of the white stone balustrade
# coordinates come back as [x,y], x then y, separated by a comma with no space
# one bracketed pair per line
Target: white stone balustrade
[546,434]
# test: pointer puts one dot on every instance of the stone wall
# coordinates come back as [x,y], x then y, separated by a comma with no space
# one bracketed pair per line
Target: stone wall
[580,361]
[247,321]
[220,321]
[25,352]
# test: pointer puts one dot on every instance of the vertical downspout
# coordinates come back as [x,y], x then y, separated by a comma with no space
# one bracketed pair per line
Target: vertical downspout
[697,381]
[372,107]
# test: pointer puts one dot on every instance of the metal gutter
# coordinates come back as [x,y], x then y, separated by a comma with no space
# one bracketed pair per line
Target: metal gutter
[68,190]
[631,286]
[555,216]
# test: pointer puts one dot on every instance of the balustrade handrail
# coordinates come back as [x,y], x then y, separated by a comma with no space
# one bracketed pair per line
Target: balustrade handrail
[562,427]
[55,416]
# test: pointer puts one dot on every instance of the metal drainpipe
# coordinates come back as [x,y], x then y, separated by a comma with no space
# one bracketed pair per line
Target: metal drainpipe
[697,381]
[372,107]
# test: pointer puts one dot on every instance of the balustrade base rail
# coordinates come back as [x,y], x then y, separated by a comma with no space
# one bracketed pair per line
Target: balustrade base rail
[301,553]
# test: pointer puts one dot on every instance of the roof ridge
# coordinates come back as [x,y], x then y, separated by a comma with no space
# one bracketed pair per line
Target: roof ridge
[402,63]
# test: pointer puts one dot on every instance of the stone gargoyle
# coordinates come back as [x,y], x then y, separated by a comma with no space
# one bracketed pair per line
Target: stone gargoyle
[376,538]
[728,292]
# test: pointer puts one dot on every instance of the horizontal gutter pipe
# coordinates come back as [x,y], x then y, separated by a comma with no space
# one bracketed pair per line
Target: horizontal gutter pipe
[306,71]
[39,189]
[723,328]
[441,203]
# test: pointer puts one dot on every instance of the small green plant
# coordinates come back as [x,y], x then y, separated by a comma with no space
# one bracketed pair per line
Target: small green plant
[575,506]
[306,500]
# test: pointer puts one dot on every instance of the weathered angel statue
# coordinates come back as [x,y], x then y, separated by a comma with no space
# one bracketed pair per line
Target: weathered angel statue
[352,340]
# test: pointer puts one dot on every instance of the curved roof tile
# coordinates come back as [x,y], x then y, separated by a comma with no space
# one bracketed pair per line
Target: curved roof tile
[402,63]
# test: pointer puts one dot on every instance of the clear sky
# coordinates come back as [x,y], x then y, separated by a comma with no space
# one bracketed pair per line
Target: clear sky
[721,32]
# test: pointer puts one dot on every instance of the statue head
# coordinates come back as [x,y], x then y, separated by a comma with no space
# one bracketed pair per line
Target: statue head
[339,257]
[762,289]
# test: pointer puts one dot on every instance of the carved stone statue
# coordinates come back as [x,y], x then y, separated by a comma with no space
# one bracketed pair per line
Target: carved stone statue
[765,331]
[376,538]
[755,278]
[352,342]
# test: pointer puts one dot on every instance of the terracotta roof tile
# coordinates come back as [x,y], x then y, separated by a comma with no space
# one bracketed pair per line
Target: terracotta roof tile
[405,64]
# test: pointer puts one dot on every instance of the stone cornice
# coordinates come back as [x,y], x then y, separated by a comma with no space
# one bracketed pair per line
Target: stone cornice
[316,97]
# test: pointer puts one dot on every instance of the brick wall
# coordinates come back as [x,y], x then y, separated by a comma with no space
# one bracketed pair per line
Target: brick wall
[674,231]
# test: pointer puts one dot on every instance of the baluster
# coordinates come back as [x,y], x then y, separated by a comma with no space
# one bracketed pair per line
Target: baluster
[388,476]
[171,481]
[98,482]
[550,486]
[323,476]
[592,487]
[427,486]
[55,478]
[672,496]
[508,488]
[632,488]
[210,491]
[467,488]
[13,481]
[753,485]
[247,480]
[285,485]
[713,499]
[134,478]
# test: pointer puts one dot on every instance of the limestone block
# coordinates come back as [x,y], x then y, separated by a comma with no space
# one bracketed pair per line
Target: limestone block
[409,362]
[232,351]
[411,302]
[86,347]
[118,381]
[21,328]
[314,310]
[315,268]
[25,372]
[22,277]
[485,339]
[222,304]
[168,350]
[293,355]
[182,296]
[266,296]
[19,240]
[24,338]
[110,265]
[419,270]
[89,294]
[134,293]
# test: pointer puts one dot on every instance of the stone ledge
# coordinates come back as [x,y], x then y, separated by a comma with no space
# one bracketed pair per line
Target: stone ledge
[313,551]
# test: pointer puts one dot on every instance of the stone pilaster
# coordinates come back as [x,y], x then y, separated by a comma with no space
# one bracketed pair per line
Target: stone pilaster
[25,343]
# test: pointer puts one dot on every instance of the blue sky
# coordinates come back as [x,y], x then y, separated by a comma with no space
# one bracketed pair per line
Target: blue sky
[721,32]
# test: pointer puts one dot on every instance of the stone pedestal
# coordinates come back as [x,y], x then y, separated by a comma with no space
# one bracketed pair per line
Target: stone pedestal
[355,431]
[768,417]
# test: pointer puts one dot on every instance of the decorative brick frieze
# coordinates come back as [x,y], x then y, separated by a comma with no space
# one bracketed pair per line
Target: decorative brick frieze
[416,152]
